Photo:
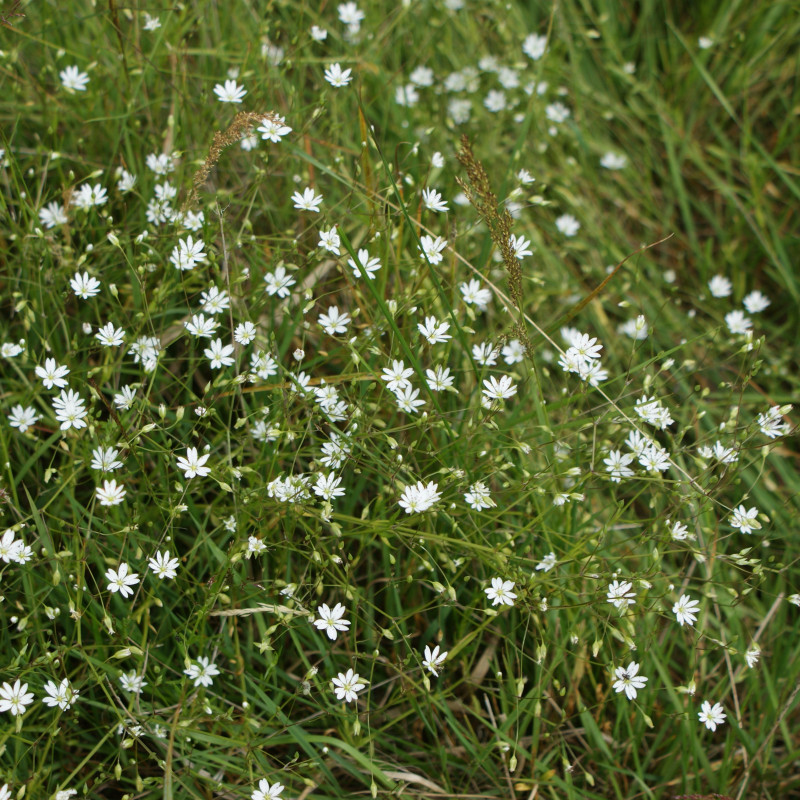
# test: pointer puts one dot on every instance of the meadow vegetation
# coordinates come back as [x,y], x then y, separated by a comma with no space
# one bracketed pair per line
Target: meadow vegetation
[395,399]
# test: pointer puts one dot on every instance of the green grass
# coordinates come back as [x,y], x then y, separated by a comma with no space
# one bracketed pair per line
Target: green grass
[524,705]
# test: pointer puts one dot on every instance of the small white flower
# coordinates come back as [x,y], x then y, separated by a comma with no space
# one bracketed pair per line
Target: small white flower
[266,791]
[121,580]
[192,463]
[686,610]
[337,77]
[346,685]
[628,680]
[331,620]
[73,79]
[163,566]
[433,659]
[111,493]
[308,201]
[711,716]
[500,592]
[568,225]
[230,92]
[720,286]
[15,698]
[59,694]
[202,672]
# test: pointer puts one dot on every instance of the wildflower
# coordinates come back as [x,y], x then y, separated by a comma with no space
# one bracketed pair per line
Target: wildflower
[407,95]
[346,685]
[14,698]
[318,34]
[519,245]
[628,680]
[433,200]
[485,354]
[327,487]
[244,333]
[351,15]
[397,376]
[61,695]
[88,196]
[10,547]
[333,321]
[125,398]
[202,672]
[534,46]
[84,285]
[686,610]
[752,655]
[418,499]
[620,594]
[720,286]
[200,326]
[151,23]
[478,496]
[499,390]
[132,682]
[331,620]
[677,530]
[745,519]
[525,177]
[192,463]
[215,301]
[432,248]
[329,240]
[51,374]
[771,424]
[568,225]
[266,791]
[408,399]
[278,282]
[495,101]
[617,465]
[160,163]
[111,493]
[711,716]
[163,566]
[220,355]
[69,410]
[434,331]
[273,129]
[654,459]
[229,92]
[109,336]
[23,418]
[121,580]
[500,592]
[52,214]
[369,265]
[105,459]
[547,563]
[308,201]
[439,379]
[737,322]
[187,254]
[73,79]
[652,412]
[755,302]
[474,294]
[613,161]
[433,659]
[337,77]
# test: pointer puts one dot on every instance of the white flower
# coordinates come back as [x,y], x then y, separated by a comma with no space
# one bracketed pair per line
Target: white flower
[337,77]
[433,659]
[329,240]
[547,563]
[346,685]
[686,610]
[711,716]
[73,79]
[273,129]
[267,792]
[109,336]
[628,680]
[52,214]
[568,225]
[230,92]
[499,390]
[14,698]
[745,519]
[202,672]
[70,410]
[331,620]
[558,113]
[613,161]
[474,294]
[418,499]
[737,322]
[278,282]
[132,682]
[84,285]
[434,331]
[513,352]
[534,46]
[59,694]
[369,265]
[408,399]
[500,592]
[433,200]
[163,566]
[334,321]
[327,487]
[308,201]
[51,374]
[617,465]
[111,493]
[87,196]
[620,594]
[318,34]
[215,301]
[121,580]
[752,655]
[244,333]
[720,286]
[520,246]
[432,248]
[192,463]
[406,95]
[397,376]
[771,424]
[478,496]
[755,302]
[220,355]
[188,253]
[439,379]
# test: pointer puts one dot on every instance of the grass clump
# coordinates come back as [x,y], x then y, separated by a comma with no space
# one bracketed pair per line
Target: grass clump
[317,481]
